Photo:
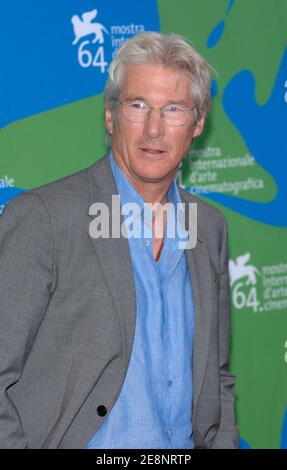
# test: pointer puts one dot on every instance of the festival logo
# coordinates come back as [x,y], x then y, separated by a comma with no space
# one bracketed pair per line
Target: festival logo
[84,26]
[240,269]
[243,282]
[260,290]
[94,50]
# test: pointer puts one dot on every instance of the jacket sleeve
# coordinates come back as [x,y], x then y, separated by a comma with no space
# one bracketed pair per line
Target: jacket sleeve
[227,436]
[26,283]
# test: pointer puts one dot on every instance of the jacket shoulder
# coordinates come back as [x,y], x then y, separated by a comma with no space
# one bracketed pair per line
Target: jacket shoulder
[207,213]
[72,191]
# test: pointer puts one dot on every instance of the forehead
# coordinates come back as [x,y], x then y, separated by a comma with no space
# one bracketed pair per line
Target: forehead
[155,82]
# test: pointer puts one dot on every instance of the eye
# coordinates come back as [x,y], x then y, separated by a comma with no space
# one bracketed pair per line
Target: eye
[173,109]
[137,105]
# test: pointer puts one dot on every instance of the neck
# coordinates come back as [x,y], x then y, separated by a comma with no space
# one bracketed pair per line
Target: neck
[151,191]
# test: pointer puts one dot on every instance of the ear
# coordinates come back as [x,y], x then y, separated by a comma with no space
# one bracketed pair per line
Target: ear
[199,127]
[109,121]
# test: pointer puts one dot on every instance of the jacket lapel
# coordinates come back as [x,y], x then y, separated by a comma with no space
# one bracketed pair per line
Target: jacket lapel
[113,254]
[201,279]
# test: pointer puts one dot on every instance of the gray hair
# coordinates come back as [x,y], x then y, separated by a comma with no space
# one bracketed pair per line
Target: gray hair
[172,51]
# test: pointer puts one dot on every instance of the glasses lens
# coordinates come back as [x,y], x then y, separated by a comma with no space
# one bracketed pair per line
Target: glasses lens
[175,115]
[135,111]
[172,115]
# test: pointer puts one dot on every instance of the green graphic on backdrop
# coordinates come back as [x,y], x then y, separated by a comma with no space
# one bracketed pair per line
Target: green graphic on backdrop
[51,145]
[243,45]
[249,36]
[236,36]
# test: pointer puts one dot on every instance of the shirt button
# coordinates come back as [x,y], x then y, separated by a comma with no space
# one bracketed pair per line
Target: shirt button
[169,383]
[146,242]
[170,432]
[102,410]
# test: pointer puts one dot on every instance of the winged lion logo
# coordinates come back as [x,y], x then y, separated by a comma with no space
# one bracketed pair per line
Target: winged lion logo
[239,269]
[83,27]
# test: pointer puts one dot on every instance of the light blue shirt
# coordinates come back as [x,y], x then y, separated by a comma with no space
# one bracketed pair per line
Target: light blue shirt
[154,408]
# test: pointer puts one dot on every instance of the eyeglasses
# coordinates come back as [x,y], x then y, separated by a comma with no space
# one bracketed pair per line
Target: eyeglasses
[172,114]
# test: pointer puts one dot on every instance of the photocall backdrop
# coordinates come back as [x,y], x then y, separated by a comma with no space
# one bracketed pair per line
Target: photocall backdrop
[54,61]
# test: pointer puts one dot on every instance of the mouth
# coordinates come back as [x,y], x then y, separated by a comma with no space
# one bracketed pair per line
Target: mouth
[152,151]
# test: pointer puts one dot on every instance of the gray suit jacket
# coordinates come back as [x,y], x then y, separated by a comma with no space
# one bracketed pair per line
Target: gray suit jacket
[67,318]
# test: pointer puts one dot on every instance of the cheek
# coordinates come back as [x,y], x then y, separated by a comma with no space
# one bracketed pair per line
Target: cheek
[128,133]
[120,135]
[180,141]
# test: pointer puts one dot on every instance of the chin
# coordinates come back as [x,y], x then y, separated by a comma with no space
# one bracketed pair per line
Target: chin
[154,172]
[153,176]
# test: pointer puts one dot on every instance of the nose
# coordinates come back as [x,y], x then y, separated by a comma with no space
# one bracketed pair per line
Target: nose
[154,125]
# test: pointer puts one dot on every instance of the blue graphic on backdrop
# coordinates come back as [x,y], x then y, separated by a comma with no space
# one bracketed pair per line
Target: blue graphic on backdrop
[284,432]
[263,128]
[283,444]
[243,444]
[217,32]
[62,52]
[214,88]
[230,5]
[6,194]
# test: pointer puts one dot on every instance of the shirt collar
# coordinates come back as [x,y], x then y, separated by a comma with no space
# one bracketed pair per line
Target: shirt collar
[128,194]
[127,191]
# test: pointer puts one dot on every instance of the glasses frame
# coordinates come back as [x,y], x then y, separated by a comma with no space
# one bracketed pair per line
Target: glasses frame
[124,103]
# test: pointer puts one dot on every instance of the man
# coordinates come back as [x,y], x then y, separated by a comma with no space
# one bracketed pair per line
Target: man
[114,341]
